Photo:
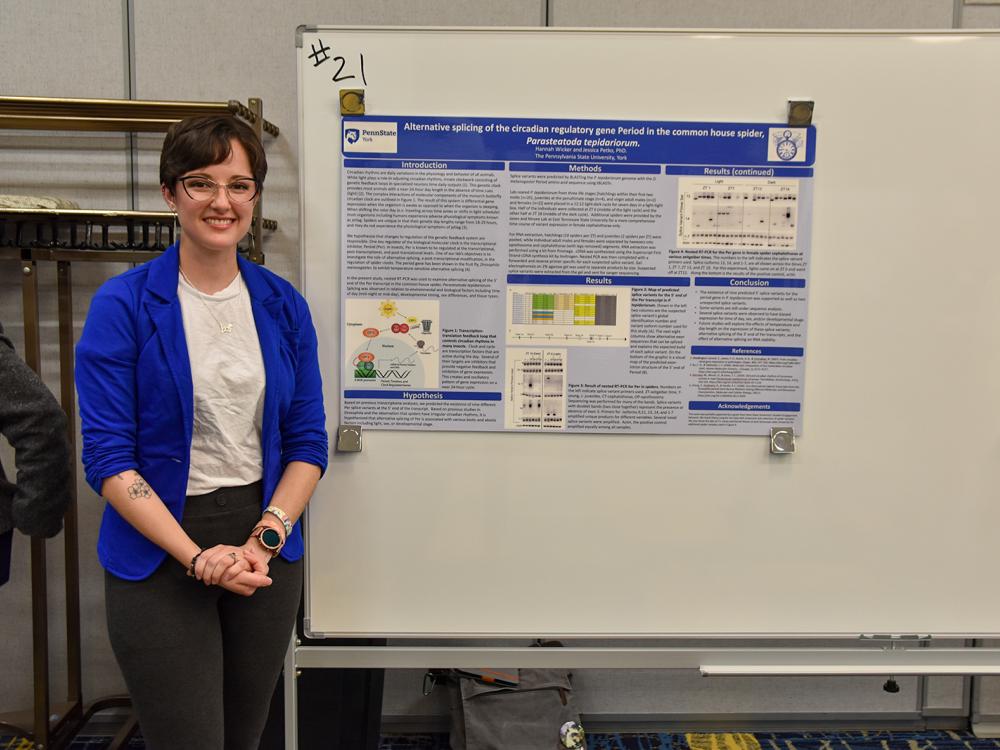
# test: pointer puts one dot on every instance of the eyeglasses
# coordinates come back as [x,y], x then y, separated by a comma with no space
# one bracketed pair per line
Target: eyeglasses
[203,189]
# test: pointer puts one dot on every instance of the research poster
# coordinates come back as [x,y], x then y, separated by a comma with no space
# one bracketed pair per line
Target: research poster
[549,275]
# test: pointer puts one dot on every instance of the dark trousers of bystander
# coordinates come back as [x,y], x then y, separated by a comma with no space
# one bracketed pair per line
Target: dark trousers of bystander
[200,662]
[6,544]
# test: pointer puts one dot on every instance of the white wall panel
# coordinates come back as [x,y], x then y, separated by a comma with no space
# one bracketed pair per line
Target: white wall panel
[58,49]
[981,16]
[55,48]
[759,14]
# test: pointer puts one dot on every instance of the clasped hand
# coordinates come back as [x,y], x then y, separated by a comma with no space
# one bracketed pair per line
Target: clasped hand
[241,570]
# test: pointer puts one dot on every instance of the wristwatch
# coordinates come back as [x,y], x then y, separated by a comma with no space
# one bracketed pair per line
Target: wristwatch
[269,539]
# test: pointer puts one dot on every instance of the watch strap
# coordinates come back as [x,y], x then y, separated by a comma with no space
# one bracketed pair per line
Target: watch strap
[281,516]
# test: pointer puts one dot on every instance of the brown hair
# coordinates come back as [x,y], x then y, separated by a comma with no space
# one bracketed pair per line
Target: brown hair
[204,140]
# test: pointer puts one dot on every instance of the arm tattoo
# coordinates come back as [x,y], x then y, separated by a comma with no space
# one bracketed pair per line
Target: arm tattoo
[139,488]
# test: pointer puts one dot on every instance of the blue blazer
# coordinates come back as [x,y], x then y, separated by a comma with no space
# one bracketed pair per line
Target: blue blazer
[133,377]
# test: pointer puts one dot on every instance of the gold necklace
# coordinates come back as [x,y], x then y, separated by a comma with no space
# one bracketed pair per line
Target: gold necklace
[223,328]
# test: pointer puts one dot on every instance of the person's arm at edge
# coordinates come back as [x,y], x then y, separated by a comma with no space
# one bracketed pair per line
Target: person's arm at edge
[35,425]
[304,444]
[139,504]
[298,481]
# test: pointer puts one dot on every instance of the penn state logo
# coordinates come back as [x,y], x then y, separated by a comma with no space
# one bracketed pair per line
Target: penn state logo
[351,135]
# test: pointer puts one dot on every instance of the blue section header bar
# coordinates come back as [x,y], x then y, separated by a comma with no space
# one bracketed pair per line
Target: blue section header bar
[520,166]
[598,280]
[742,171]
[425,395]
[743,406]
[424,165]
[749,351]
[562,140]
[742,283]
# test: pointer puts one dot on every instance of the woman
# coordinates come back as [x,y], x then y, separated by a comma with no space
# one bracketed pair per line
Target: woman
[203,427]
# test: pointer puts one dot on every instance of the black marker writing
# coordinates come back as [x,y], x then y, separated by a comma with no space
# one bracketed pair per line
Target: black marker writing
[323,49]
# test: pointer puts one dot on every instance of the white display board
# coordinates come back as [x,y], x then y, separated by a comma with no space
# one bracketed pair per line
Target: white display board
[884,519]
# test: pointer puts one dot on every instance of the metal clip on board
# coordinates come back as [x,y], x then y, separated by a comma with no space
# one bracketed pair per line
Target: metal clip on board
[800,112]
[349,438]
[782,440]
[352,101]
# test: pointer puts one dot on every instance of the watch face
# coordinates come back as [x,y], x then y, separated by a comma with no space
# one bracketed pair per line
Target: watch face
[270,538]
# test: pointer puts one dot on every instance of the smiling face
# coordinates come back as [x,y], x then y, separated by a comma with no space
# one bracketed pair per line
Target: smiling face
[213,226]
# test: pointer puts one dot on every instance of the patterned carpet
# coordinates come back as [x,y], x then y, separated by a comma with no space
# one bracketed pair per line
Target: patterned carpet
[664,741]
[746,741]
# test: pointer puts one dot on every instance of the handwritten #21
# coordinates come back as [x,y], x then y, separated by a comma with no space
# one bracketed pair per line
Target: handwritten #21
[321,54]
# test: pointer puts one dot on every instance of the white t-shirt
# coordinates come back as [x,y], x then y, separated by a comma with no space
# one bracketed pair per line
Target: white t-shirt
[227,370]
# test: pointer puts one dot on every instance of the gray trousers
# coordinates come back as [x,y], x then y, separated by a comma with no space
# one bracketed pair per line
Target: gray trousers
[201,663]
